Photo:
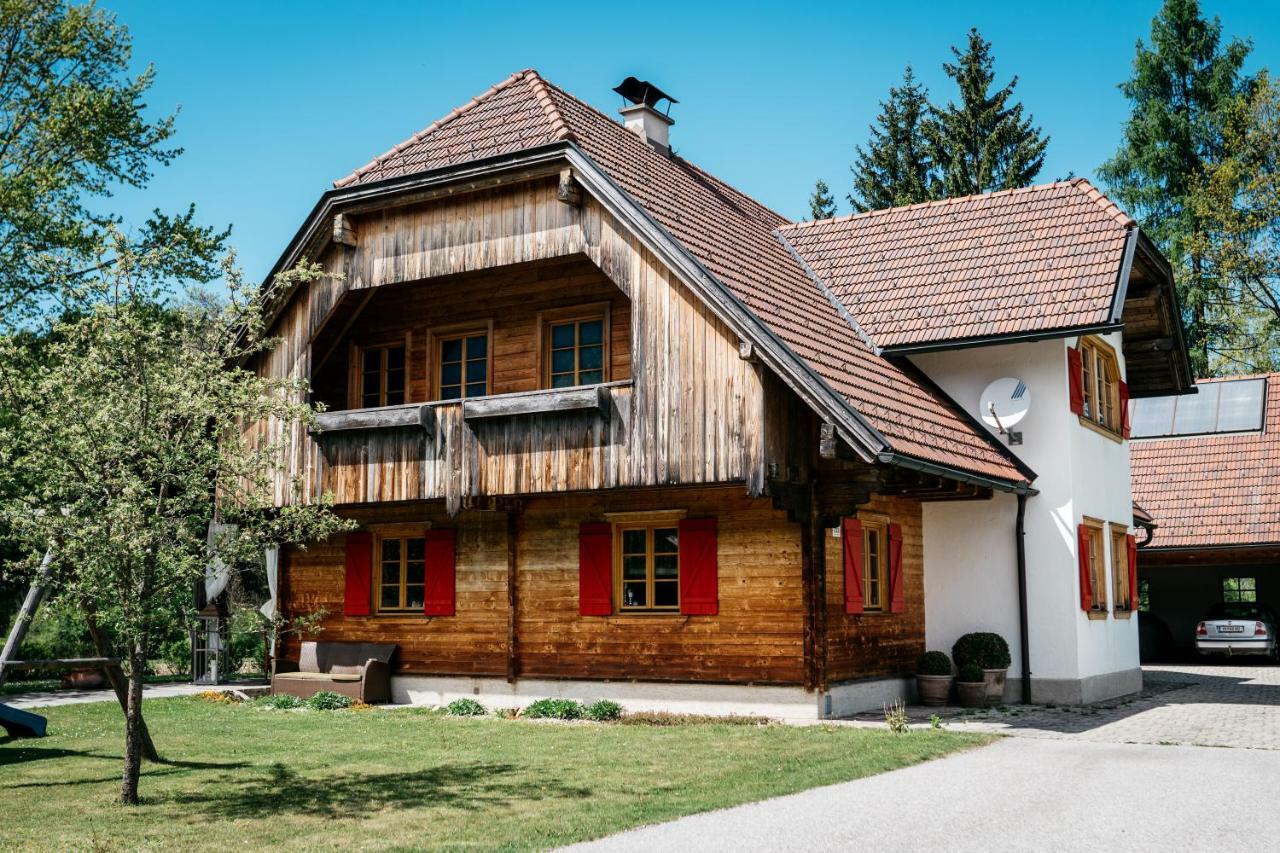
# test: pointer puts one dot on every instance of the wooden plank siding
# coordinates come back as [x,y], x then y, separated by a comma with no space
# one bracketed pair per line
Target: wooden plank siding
[691,416]
[869,644]
[757,636]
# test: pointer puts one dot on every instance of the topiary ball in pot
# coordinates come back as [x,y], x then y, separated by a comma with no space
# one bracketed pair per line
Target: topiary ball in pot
[933,678]
[971,686]
[984,648]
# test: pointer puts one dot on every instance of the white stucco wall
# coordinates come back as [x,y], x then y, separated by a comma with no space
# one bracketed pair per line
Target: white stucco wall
[970,561]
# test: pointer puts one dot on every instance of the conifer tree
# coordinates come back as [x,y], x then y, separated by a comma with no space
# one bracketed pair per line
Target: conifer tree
[822,205]
[1182,87]
[984,142]
[895,168]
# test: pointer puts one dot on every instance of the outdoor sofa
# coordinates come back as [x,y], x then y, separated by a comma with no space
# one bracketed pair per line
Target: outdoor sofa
[359,670]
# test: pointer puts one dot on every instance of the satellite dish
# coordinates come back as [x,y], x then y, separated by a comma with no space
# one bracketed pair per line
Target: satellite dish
[1004,403]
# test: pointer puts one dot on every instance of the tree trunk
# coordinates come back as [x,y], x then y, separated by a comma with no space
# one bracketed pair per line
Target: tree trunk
[133,727]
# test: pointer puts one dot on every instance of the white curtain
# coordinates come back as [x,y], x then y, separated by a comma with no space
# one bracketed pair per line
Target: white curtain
[273,568]
[217,574]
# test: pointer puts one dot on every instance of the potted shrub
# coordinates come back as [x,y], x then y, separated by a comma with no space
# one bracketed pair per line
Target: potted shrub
[990,653]
[971,686]
[933,678]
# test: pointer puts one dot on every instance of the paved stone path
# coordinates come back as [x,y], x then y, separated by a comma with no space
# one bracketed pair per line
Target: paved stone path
[1236,706]
[45,698]
[1017,794]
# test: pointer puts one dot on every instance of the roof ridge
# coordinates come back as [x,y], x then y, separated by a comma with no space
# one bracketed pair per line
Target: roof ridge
[940,202]
[559,127]
[1105,204]
[431,128]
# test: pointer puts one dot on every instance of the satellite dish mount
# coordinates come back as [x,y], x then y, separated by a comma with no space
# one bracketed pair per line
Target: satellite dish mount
[1003,405]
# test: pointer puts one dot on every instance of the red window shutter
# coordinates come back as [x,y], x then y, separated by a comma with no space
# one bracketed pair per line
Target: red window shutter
[897,596]
[1086,578]
[1124,408]
[358,594]
[1075,379]
[1132,542]
[440,595]
[851,536]
[699,567]
[595,569]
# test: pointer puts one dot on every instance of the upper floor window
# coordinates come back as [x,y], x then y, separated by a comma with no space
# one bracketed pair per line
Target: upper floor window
[1101,384]
[463,365]
[575,348]
[382,376]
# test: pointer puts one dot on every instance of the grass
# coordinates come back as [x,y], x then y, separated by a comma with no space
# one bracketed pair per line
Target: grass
[245,777]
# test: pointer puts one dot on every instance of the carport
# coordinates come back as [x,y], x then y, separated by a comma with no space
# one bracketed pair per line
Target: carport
[1206,468]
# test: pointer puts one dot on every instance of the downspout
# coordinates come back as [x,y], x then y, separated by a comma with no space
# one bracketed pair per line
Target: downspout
[1020,542]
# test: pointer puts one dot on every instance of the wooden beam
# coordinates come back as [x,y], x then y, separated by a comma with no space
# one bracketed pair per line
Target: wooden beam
[346,327]
[388,417]
[513,649]
[30,604]
[344,231]
[569,191]
[593,399]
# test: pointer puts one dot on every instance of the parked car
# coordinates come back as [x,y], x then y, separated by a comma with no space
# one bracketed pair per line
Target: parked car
[1238,629]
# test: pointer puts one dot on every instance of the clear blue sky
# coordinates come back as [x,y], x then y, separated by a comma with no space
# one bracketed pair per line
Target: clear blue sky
[279,99]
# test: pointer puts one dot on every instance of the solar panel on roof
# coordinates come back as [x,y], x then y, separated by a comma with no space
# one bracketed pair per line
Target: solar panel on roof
[1219,407]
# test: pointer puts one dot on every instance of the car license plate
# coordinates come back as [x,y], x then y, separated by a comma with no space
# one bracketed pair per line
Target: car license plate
[1230,629]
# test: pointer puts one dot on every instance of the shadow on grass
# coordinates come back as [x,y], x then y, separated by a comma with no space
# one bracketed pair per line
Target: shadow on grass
[27,754]
[460,786]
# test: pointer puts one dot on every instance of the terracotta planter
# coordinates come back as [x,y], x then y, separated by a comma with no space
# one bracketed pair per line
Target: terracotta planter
[994,680]
[934,689]
[84,679]
[972,694]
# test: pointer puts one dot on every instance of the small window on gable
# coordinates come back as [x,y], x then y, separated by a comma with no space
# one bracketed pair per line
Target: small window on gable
[1101,384]
[381,376]
[575,347]
[462,365]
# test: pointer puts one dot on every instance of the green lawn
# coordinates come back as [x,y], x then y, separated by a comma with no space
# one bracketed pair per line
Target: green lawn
[243,777]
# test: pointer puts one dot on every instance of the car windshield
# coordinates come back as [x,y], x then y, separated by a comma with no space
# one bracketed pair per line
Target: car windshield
[1234,611]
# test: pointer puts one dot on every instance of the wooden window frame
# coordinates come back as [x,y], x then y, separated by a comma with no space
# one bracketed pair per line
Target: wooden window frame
[435,340]
[647,521]
[401,532]
[355,373]
[1123,598]
[1098,567]
[1254,590]
[875,528]
[1096,353]
[573,314]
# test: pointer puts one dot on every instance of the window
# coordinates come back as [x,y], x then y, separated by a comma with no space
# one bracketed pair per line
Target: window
[463,365]
[1120,567]
[402,573]
[1097,565]
[874,559]
[1101,384]
[382,376]
[649,565]
[1239,589]
[575,350]
[1144,595]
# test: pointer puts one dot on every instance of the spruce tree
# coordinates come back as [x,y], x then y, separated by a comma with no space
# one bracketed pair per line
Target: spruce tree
[984,143]
[895,168]
[822,205]
[1181,89]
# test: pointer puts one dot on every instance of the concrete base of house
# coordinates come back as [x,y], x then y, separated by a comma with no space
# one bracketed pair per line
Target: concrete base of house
[1076,691]
[775,702]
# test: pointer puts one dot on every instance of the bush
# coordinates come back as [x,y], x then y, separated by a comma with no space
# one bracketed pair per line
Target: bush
[176,654]
[327,700]
[971,673]
[895,716]
[278,702]
[934,663]
[987,650]
[604,711]
[465,708]
[555,709]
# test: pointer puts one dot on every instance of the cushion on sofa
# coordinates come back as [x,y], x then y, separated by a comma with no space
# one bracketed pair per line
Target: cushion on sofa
[318,676]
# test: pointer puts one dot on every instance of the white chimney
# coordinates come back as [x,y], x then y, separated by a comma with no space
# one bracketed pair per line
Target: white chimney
[642,117]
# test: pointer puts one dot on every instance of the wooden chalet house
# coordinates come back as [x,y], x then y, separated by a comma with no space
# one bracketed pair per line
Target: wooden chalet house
[611,428]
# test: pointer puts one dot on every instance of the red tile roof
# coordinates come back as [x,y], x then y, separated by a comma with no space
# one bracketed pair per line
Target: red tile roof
[733,236]
[1026,260]
[1213,491]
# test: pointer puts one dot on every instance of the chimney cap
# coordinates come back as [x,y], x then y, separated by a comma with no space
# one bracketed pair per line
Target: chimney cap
[643,92]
